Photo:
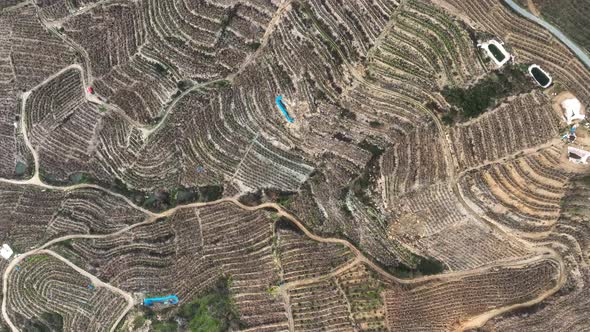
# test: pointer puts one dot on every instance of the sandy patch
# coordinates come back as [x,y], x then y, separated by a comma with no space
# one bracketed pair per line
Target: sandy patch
[533,8]
[409,225]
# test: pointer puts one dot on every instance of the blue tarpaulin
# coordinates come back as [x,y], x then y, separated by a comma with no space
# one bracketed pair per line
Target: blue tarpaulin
[279,101]
[170,299]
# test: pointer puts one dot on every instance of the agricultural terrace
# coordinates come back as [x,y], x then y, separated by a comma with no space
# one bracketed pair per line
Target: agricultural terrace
[46,293]
[81,211]
[417,189]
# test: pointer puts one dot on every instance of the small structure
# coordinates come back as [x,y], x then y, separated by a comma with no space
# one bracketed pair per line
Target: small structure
[279,102]
[6,251]
[540,76]
[571,136]
[572,110]
[496,52]
[573,130]
[170,299]
[90,90]
[578,156]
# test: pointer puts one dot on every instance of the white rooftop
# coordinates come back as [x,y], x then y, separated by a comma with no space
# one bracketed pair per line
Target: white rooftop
[6,251]
[578,156]
[572,110]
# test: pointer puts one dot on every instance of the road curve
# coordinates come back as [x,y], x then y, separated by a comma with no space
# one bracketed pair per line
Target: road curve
[579,52]
[97,282]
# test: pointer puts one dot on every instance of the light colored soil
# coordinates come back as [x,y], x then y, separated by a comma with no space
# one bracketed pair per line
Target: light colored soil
[507,196]
[409,224]
[533,8]
[479,320]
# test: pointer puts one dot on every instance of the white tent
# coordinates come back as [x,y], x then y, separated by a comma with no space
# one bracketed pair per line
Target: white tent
[572,109]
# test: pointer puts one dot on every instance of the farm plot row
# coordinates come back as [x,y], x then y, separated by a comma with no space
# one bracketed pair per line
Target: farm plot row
[571,237]
[32,216]
[415,160]
[572,222]
[190,250]
[46,292]
[35,53]
[526,121]
[171,257]
[187,252]
[425,50]
[361,112]
[303,258]
[358,299]
[433,223]
[236,150]
[28,54]
[470,244]
[62,126]
[443,305]
[16,160]
[350,301]
[152,45]
[374,239]
[524,194]
[49,10]
[566,314]
[72,136]
[304,58]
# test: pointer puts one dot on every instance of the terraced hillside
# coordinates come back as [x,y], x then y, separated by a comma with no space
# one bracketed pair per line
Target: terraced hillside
[144,155]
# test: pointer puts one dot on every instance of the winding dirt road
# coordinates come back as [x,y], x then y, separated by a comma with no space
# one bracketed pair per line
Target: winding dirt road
[94,280]
[544,253]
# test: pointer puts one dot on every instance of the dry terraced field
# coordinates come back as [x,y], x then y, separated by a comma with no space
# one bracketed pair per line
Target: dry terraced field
[178,174]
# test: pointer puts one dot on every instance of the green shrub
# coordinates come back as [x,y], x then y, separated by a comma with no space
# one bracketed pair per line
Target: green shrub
[488,92]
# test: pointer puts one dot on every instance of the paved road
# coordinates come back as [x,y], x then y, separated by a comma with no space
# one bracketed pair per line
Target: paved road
[580,53]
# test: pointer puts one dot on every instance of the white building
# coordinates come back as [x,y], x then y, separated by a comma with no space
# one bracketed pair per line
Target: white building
[578,156]
[6,251]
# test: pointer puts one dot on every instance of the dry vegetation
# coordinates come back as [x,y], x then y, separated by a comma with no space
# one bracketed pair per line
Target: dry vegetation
[370,212]
[47,293]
